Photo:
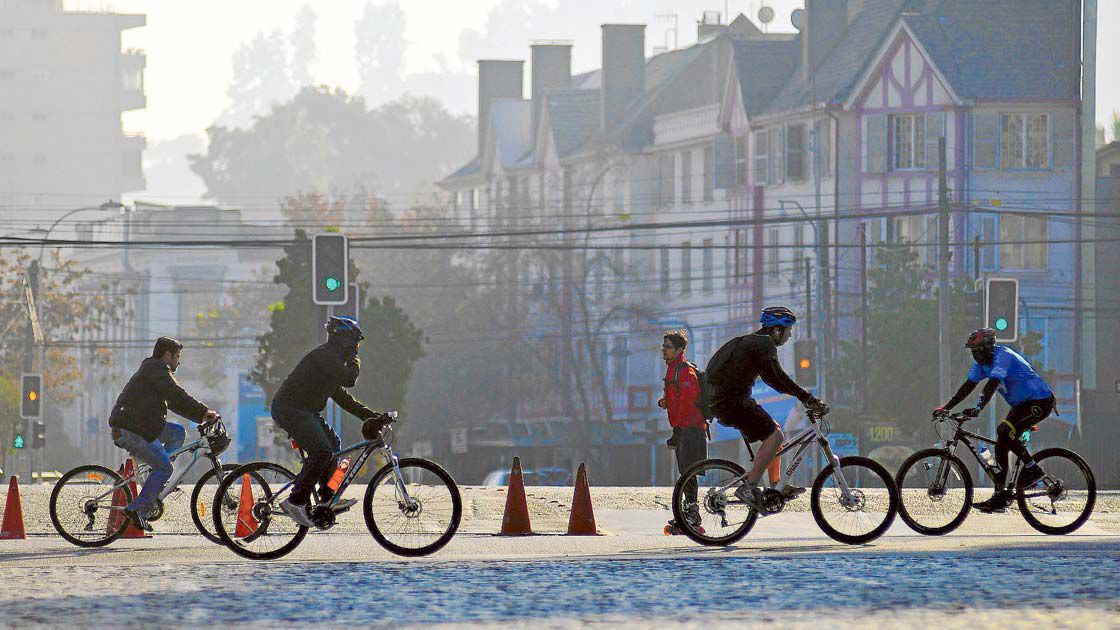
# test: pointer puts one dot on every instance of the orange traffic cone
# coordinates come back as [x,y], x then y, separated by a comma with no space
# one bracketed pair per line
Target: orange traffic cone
[131,531]
[515,520]
[246,524]
[582,520]
[12,528]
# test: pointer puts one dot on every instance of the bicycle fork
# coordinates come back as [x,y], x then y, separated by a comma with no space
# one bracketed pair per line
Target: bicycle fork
[847,499]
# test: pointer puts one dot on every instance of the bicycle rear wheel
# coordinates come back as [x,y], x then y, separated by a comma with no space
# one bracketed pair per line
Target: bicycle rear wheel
[258,529]
[934,492]
[420,523]
[1065,497]
[866,512]
[87,506]
[717,518]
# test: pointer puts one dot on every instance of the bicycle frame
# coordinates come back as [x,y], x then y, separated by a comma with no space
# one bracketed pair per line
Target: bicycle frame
[962,434]
[193,449]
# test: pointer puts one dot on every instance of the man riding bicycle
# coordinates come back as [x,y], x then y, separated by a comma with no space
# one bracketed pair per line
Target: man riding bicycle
[139,422]
[323,373]
[1031,402]
[732,372]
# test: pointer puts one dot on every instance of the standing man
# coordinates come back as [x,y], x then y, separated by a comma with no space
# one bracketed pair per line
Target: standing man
[682,391]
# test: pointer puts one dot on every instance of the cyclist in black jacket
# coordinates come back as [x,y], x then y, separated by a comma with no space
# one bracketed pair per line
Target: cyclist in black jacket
[732,372]
[139,423]
[323,373]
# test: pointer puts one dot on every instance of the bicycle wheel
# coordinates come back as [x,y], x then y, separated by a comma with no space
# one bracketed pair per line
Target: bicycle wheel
[87,506]
[934,492]
[258,529]
[718,518]
[866,513]
[421,523]
[1065,497]
[203,500]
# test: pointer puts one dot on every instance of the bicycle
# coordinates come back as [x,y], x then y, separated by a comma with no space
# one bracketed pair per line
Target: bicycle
[410,500]
[926,479]
[838,498]
[94,491]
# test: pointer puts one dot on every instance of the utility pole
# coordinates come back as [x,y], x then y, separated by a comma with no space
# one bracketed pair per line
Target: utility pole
[808,301]
[863,314]
[944,257]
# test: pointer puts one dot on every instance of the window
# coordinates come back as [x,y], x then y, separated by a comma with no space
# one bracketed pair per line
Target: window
[38,33]
[7,75]
[664,269]
[1024,141]
[686,177]
[824,145]
[474,198]
[740,254]
[1022,243]
[908,142]
[708,282]
[761,158]
[742,161]
[773,239]
[795,152]
[777,144]
[665,189]
[39,117]
[620,355]
[709,176]
[988,237]
[686,268]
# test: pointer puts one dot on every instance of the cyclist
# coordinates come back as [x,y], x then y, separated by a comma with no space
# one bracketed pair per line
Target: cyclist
[732,372]
[1031,402]
[139,423]
[323,373]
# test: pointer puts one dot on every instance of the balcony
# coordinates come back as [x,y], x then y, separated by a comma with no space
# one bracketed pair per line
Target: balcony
[132,170]
[132,66]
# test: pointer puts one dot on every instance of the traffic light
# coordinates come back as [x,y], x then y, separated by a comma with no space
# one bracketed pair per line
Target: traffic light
[31,397]
[805,358]
[38,434]
[330,268]
[19,435]
[1001,308]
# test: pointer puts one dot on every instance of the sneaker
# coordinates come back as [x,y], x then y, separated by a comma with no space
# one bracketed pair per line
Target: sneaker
[752,497]
[1031,475]
[998,503]
[137,520]
[791,492]
[344,505]
[298,513]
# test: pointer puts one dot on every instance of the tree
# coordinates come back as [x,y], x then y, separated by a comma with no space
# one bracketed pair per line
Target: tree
[379,49]
[1115,126]
[304,54]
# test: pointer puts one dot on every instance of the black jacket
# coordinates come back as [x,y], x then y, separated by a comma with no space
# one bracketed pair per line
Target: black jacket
[744,359]
[144,401]
[322,374]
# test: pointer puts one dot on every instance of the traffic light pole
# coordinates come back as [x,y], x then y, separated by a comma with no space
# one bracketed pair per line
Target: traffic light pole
[944,259]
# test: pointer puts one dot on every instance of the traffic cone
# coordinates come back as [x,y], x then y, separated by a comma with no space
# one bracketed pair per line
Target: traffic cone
[515,520]
[12,528]
[131,531]
[246,524]
[582,520]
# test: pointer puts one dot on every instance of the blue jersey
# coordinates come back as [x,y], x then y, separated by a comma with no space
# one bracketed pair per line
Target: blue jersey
[1018,382]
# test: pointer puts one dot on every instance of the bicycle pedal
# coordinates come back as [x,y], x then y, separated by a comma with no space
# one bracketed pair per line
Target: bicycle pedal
[344,505]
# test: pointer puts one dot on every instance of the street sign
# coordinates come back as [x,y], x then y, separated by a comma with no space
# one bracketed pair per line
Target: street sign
[31,397]
[844,444]
[459,440]
[330,268]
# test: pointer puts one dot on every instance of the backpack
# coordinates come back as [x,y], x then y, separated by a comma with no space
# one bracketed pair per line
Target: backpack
[704,397]
[718,363]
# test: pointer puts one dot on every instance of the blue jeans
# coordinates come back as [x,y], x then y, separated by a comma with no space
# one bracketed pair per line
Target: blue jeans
[154,454]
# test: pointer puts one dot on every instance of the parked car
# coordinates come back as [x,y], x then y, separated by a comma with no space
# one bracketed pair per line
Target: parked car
[551,476]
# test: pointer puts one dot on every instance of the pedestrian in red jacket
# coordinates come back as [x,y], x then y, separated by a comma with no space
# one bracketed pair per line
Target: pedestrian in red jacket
[682,389]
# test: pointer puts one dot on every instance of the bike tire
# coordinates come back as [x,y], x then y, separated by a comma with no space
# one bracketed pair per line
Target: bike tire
[912,520]
[892,501]
[54,508]
[686,527]
[219,527]
[456,508]
[199,502]
[1091,492]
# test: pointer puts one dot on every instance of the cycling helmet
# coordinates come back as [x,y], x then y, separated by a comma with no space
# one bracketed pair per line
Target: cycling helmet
[344,327]
[983,339]
[777,316]
[218,440]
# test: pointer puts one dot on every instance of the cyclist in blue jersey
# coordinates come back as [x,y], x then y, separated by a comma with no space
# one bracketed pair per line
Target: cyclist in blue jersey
[1031,402]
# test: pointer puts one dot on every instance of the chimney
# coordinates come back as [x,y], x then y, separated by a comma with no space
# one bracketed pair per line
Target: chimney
[824,23]
[709,26]
[552,70]
[624,70]
[496,79]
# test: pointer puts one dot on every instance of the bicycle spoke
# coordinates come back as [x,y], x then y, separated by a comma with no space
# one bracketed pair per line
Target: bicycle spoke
[419,520]
[933,491]
[1062,497]
[87,506]
[250,519]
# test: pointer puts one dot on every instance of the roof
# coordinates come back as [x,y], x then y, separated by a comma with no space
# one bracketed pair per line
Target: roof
[764,67]
[574,117]
[470,168]
[511,121]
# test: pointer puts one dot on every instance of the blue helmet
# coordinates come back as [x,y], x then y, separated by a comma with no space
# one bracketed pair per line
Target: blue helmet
[777,316]
[344,326]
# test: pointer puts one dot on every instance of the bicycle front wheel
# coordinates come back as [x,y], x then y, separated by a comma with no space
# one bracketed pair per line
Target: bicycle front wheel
[87,506]
[934,492]
[202,501]
[862,513]
[258,529]
[1065,497]
[418,515]
[705,507]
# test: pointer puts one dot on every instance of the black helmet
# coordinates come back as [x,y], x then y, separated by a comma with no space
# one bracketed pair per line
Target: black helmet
[218,440]
[983,340]
[777,316]
[344,327]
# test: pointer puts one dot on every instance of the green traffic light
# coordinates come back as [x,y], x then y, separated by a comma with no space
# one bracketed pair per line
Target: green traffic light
[18,442]
[332,283]
[1001,324]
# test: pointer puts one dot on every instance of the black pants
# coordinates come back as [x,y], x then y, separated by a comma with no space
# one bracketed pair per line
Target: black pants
[1021,418]
[692,446]
[318,440]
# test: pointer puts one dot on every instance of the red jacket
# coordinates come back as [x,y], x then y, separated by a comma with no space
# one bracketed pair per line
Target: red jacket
[682,388]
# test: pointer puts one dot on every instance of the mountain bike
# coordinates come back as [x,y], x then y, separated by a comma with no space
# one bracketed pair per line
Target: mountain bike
[936,487]
[411,506]
[87,503]
[853,499]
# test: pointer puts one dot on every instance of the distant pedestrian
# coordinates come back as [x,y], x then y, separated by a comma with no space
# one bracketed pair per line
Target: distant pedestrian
[682,391]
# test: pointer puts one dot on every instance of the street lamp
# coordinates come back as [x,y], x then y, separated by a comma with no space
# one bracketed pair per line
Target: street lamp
[108,205]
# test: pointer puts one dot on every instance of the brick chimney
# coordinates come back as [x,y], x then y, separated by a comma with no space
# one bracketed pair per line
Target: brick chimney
[624,70]
[825,22]
[709,25]
[551,66]
[496,79]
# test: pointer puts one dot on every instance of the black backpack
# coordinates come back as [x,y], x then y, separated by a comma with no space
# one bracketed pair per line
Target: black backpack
[719,360]
[704,398]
